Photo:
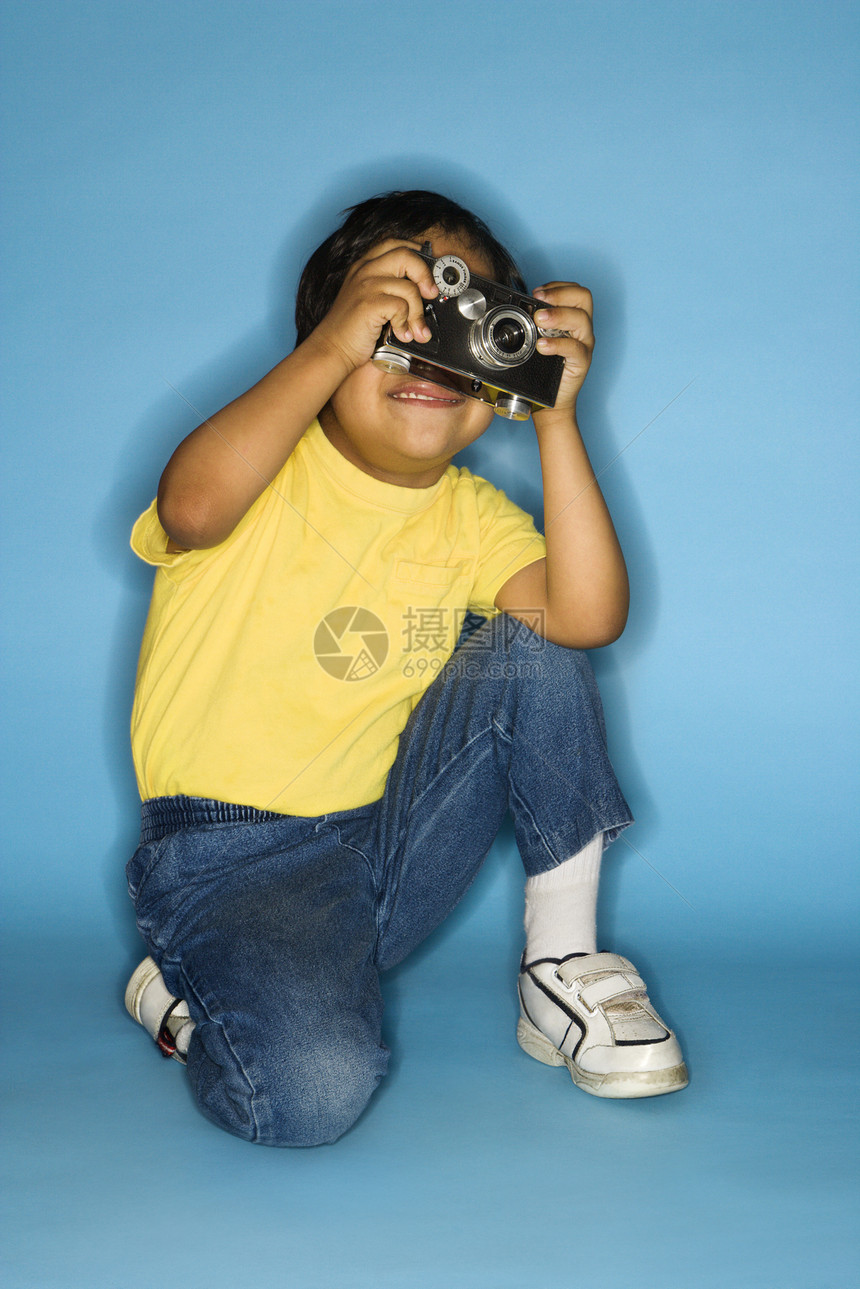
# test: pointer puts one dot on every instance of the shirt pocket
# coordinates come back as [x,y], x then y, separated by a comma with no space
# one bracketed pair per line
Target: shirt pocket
[431,575]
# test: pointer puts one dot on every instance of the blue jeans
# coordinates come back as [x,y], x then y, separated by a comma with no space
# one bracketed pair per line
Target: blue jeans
[274,928]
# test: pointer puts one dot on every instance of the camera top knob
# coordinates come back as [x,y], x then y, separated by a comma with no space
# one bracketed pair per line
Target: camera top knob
[471,303]
[451,275]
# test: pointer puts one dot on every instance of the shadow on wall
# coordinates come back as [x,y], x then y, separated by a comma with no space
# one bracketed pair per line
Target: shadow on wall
[507,454]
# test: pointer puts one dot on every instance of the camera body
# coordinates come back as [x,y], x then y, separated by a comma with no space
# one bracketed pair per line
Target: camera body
[483,342]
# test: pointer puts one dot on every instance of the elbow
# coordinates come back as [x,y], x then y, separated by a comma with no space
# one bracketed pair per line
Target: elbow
[607,631]
[188,520]
[591,615]
[599,639]
[594,632]
[582,639]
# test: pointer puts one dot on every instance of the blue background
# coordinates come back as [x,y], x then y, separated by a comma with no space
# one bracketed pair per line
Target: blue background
[168,169]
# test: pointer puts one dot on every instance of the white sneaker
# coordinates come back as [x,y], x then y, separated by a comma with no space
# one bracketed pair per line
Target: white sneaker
[591,1013]
[164,1017]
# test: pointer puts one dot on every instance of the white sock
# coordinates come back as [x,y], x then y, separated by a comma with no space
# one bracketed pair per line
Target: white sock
[154,1002]
[181,1028]
[561,906]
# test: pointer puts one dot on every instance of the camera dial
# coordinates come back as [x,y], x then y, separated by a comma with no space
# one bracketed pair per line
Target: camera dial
[513,408]
[392,360]
[451,275]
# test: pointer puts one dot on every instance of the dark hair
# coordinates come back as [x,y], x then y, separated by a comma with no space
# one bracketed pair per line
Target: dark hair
[391,214]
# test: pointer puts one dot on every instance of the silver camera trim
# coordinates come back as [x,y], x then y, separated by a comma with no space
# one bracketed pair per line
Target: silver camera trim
[481,342]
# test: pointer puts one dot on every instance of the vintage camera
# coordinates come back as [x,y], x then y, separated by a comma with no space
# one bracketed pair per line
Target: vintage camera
[483,342]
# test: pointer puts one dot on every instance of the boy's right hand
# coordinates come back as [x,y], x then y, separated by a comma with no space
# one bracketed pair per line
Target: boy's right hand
[388,285]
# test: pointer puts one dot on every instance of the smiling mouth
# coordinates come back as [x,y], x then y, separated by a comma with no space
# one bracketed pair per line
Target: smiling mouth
[425,392]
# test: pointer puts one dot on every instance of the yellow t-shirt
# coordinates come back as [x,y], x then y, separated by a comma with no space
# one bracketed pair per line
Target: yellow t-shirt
[278,669]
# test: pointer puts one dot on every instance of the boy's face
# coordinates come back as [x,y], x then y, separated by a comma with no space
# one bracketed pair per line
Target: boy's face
[376,421]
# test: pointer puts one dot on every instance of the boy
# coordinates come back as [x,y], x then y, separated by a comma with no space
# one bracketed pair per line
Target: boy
[315,800]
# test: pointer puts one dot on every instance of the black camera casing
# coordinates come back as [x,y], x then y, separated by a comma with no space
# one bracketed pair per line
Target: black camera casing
[483,338]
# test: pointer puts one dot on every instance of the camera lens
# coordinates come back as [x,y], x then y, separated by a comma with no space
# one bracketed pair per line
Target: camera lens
[508,335]
[503,337]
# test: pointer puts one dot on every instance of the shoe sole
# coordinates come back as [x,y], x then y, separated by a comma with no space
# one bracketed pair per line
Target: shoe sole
[619,1085]
[144,974]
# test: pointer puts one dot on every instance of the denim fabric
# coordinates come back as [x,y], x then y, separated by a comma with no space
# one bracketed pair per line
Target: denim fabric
[274,928]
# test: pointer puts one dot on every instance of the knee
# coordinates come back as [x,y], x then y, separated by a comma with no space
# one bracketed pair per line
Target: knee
[314,1100]
[294,1092]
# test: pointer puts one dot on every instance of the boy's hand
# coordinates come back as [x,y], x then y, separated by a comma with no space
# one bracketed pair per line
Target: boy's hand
[569,309]
[389,285]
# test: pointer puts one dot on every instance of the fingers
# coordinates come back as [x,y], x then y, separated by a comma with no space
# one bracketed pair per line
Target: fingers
[398,260]
[575,327]
[398,281]
[404,310]
[569,310]
[565,293]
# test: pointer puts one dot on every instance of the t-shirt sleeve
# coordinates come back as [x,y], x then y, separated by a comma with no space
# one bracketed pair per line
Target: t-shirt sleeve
[509,541]
[149,542]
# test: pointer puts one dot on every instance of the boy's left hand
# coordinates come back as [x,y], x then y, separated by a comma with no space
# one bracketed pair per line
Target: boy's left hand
[569,308]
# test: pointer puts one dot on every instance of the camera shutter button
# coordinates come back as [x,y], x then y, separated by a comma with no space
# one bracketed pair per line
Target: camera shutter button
[472,303]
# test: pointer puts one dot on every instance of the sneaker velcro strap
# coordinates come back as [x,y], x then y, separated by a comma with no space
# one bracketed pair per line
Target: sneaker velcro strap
[611,987]
[581,966]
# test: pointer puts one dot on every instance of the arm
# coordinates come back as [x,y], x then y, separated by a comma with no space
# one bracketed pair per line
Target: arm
[580,591]
[223,466]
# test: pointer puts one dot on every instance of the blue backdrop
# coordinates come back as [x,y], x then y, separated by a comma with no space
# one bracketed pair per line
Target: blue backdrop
[168,169]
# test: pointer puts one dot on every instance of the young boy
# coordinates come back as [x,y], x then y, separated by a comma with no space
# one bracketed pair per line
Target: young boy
[323,764]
